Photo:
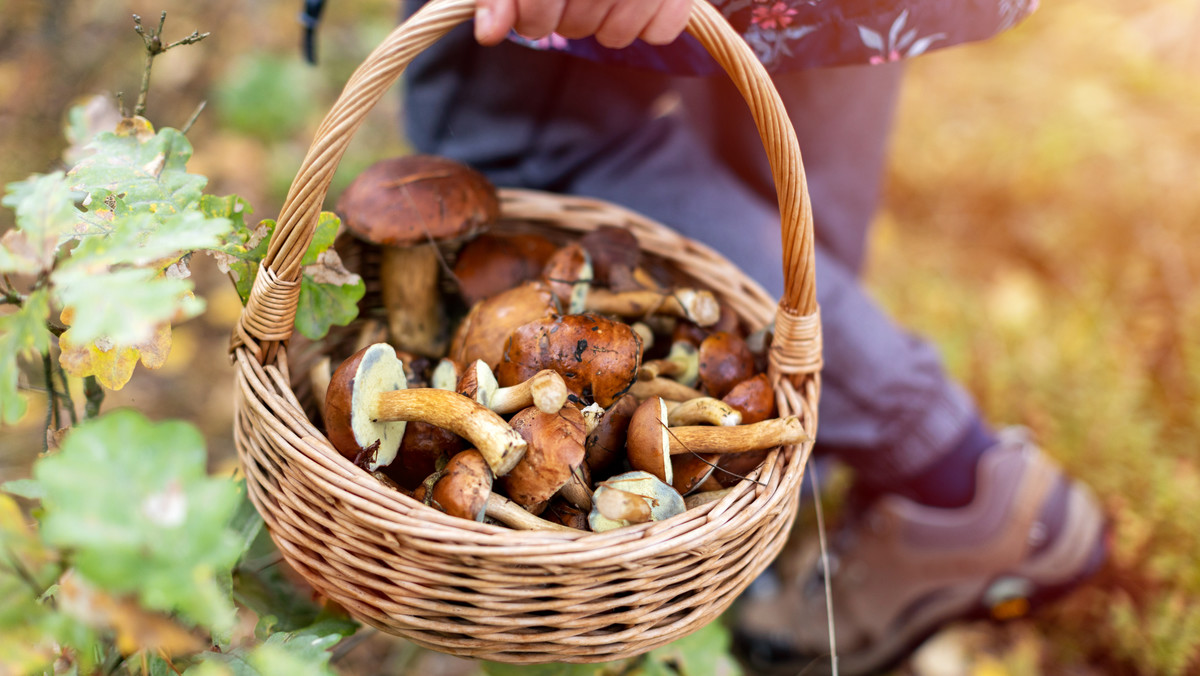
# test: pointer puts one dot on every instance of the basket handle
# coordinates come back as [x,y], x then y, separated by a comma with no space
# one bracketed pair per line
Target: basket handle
[269,314]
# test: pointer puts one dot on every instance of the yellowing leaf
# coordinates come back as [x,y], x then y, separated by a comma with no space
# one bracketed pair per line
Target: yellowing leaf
[112,365]
[136,628]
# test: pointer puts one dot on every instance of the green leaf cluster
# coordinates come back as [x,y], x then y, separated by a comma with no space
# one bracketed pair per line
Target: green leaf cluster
[329,293]
[132,502]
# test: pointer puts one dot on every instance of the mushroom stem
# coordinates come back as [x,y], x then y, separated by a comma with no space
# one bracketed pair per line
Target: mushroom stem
[409,277]
[546,390]
[682,363]
[665,388]
[698,499]
[698,306]
[510,513]
[737,438]
[500,445]
[700,411]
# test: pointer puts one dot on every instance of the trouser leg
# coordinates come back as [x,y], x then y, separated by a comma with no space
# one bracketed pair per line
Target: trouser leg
[553,122]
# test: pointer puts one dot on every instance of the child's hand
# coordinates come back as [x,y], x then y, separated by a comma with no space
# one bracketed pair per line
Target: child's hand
[615,23]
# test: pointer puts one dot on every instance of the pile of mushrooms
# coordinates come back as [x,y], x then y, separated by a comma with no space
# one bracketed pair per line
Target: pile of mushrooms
[580,388]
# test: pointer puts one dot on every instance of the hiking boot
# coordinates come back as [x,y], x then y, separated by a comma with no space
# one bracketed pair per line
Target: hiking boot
[900,570]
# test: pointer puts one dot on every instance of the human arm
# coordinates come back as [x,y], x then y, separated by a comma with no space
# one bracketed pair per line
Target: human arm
[614,23]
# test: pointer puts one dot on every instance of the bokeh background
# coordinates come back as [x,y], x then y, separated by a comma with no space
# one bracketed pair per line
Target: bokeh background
[1041,223]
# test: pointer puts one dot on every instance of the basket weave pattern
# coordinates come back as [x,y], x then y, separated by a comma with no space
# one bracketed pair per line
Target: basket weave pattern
[484,591]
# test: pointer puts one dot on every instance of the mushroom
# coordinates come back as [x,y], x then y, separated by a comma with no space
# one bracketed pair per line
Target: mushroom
[367,405]
[425,445]
[754,398]
[553,462]
[464,487]
[694,333]
[544,389]
[605,444]
[597,357]
[492,263]
[406,205]
[482,333]
[511,514]
[682,364]
[562,512]
[569,274]
[725,361]
[650,442]
[701,411]
[633,497]
[665,388]
[690,471]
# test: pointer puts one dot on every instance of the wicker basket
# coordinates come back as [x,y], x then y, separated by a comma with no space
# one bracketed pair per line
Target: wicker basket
[483,591]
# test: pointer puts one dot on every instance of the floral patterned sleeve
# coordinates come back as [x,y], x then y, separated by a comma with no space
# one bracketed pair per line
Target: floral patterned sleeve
[796,34]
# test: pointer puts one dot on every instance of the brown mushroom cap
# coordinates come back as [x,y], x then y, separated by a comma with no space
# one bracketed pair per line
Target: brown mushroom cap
[482,333]
[754,398]
[464,487]
[408,200]
[569,274]
[725,361]
[554,450]
[596,356]
[606,443]
[612,248]
[648,444]
[492,263]
[352,389]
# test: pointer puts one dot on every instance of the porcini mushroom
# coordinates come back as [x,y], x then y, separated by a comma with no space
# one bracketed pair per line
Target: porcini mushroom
[482,333]
[725,361]
[464,487]
[553,462]
[569,274]
[597,357]
[650,442]
[702,411]
[367,404]
[632,497]
[406,205]
[492,263]
[544,389]
[605,444]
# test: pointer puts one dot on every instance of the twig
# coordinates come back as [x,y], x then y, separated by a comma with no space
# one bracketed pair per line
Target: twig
[812,477]
[192,120]
[94,395]
[23,572]
[53,419]
[154,47]
[66,393]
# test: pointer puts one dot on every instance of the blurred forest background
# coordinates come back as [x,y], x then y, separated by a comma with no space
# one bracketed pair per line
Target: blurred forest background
[1041,223]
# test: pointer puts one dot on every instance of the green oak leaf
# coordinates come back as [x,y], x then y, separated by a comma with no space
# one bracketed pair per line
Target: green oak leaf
[146,169]
[145,239]
[704,652]
[303,652]
[242,249]
[329,293]
[121,307]
[324,305]
[45,218]
[132,501]
[22,334]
